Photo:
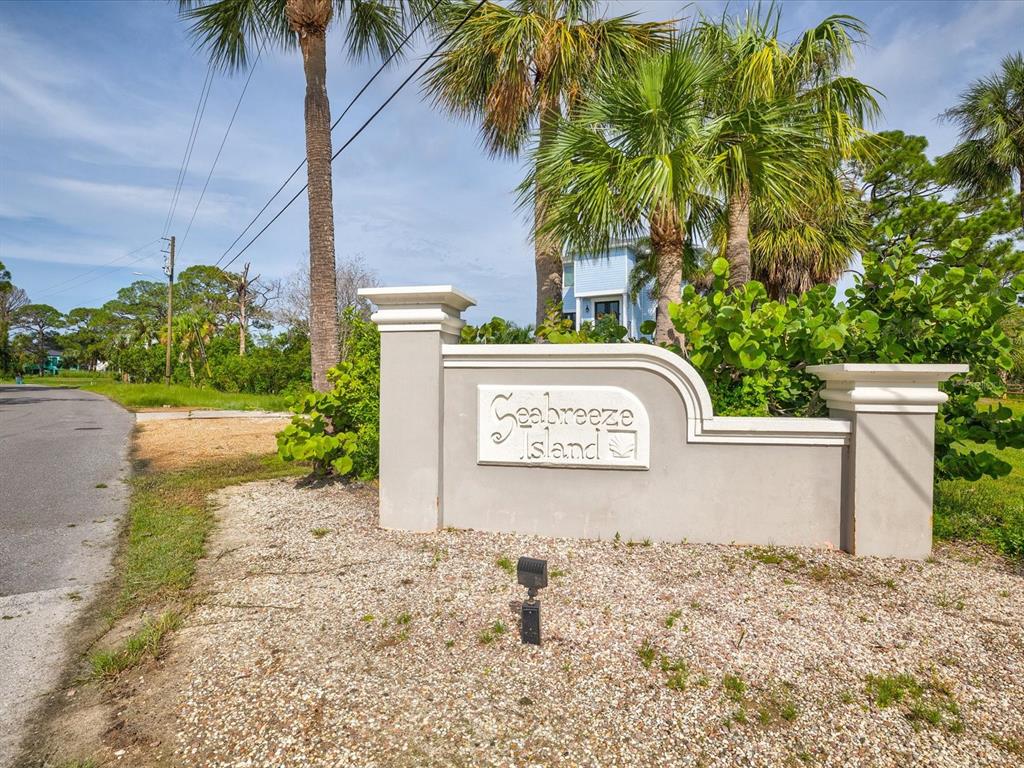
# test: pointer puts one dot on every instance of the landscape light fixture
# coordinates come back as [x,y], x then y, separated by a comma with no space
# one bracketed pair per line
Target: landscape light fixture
[532,574]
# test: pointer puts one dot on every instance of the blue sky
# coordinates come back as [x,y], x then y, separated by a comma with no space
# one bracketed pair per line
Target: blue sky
[97,100]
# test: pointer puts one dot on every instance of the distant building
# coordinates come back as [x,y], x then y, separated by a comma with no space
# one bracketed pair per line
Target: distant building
[598,285]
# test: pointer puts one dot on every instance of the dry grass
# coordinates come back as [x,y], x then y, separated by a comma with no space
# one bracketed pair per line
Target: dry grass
[177,444]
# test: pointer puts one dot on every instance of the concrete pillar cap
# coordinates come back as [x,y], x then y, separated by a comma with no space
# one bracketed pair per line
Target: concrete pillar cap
[885,387]
[418,308]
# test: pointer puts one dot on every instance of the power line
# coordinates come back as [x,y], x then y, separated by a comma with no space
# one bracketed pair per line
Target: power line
[231,122]
[363,127]
[74,278]
[144,256]
[197,120]
[344,112]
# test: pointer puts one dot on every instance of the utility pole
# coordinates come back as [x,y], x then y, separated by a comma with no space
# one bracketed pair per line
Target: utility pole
[169,271]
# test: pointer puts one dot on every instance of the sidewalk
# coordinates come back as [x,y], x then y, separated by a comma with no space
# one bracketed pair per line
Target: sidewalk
[198,413]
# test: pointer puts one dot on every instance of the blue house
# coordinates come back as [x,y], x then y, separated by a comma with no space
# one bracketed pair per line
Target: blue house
[597,285]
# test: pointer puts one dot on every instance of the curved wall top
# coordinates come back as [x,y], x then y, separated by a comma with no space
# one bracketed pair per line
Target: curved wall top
[702,425]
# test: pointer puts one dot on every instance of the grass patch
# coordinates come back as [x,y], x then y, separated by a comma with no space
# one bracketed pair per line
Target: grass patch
[493,632]
[105,665]
[505,563]
[677,671]
[990,510]
[647,653]
[133,396]
[775,556]
[169,518]
[928,703]
[319,533]
[734,687]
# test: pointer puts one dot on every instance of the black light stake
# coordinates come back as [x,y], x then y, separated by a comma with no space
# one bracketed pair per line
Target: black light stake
[532,574]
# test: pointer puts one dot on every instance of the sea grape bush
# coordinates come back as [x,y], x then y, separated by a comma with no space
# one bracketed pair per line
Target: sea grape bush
[753,351]
[337,431]
[497,331]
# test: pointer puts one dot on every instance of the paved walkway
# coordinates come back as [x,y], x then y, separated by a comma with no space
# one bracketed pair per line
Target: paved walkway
[63,458]
[208,413]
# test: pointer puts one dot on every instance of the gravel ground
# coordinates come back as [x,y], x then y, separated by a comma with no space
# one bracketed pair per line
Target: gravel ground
[324,641]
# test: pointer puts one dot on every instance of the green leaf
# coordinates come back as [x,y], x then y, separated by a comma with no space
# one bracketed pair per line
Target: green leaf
[342,465]
[752,359]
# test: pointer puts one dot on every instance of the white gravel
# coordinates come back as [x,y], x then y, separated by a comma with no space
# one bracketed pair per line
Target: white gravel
[286,667]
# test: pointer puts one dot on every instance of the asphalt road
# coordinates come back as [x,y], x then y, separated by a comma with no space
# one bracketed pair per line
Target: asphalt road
[58,449]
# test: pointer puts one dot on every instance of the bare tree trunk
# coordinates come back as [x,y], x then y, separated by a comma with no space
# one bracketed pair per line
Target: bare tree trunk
[309,19]
[667,246]
[547,250]
[243,300]
[737,250]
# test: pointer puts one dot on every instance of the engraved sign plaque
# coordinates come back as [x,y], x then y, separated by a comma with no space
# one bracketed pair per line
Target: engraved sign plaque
[559,426]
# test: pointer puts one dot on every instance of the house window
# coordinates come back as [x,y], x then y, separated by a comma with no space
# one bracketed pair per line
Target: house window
[571,317]
[568,275]
[602,308]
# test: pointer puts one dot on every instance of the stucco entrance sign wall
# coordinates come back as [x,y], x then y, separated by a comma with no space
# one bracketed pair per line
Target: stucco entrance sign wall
[600,440]
[557,426]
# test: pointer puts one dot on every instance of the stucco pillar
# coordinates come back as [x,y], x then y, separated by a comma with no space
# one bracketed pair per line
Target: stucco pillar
[887,495]
[414,323]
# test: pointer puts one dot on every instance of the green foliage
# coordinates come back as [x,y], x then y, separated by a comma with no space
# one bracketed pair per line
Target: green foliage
[647,653]
[922,703]
[557,329]
[990,116]
[337,431]
[988,510]
[906,193]
[138,396]
[734,686]
[169,516]
[146,643]
[497,331]
[493,632]
[753,351]
[946,312]
[279,365]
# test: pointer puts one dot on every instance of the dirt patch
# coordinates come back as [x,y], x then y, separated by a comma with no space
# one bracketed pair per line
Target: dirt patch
[319,639]
[180,443]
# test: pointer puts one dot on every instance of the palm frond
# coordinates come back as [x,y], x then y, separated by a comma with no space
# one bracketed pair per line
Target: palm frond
[227,29]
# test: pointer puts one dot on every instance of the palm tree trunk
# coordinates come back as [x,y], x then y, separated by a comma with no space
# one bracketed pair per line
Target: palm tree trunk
[737,249]
[1020,178]
[309,18]
[667,246]
[547,250]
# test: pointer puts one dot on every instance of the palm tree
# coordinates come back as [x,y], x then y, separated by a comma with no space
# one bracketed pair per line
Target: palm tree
[631,162]
[795,246]
[228,30]
[518,68]
[990,116]
[785,117]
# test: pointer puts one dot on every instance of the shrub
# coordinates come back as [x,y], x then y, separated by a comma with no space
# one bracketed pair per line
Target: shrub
[337,431]
[497,331]
[557,329]
[753,351]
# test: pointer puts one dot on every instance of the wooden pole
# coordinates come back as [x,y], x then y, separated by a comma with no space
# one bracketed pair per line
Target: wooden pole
[169,271]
